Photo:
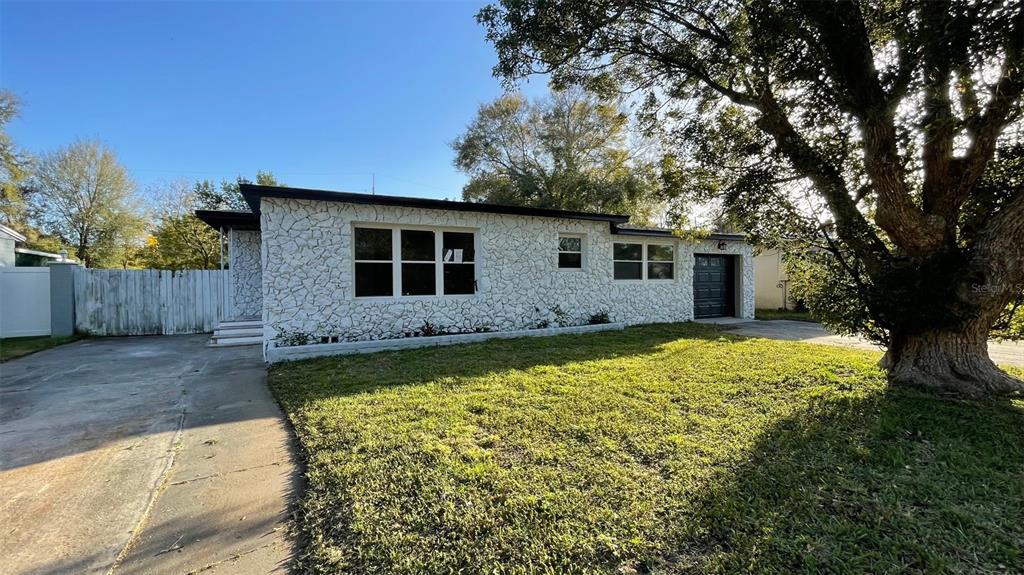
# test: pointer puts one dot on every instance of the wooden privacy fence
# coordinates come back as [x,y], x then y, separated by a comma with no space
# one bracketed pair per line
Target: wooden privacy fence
[145,302]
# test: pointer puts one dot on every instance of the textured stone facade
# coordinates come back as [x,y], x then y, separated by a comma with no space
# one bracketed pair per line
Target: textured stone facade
[308,284]
[246,277]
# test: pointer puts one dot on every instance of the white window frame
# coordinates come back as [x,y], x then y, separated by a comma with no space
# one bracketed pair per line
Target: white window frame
[582,252]
[396,261]
[643,261]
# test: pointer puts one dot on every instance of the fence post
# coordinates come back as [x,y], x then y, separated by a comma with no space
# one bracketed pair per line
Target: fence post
[62,298]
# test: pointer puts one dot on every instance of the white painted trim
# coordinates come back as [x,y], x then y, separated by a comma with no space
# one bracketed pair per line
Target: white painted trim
[276,354]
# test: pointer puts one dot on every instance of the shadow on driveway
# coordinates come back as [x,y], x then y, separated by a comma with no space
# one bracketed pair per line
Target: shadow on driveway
[115,449]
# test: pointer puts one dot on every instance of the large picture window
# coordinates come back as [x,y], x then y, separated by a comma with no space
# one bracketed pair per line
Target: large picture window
[410,262]
[638,261]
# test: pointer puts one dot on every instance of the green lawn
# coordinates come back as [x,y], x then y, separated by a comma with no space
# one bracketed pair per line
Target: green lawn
[13,347]
[662,449]
[769,314]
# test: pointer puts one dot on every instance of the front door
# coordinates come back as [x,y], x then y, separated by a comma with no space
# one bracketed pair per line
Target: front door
[712,285]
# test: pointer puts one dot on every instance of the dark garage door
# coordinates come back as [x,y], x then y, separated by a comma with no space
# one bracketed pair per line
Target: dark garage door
[712,285]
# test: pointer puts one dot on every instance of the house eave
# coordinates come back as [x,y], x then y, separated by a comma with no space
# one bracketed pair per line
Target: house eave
[229,219]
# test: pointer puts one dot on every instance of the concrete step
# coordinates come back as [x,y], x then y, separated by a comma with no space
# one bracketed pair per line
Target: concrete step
[220,332]
[240,324]
[235,341]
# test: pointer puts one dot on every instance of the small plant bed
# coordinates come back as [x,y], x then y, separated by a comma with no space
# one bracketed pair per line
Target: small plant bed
[657,449]
[13,347]
[771,314]
[431,337]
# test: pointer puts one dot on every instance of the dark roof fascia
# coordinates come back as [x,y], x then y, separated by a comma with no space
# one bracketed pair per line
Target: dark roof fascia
[253,193]
[217,219]
[664,233]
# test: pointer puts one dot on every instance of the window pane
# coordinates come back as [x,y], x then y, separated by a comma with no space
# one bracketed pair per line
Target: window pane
[373,280]
[657,253]
[659,271]
[417,245]
[628,252]
[570,244]
[628,271]
[458,278]
[373,244]
[570,260]
[418,279]
[458,241]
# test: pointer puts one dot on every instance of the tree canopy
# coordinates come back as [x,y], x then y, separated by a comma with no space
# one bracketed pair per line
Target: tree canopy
[569,151]
[864,128]
[85,197]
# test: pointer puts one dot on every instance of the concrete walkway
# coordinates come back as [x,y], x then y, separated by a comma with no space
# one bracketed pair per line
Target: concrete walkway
[143,455]
[1004,353]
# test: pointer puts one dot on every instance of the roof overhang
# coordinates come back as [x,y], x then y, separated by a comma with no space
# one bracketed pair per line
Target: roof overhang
[10,234]
[218,219]
[667,233]
[254,193]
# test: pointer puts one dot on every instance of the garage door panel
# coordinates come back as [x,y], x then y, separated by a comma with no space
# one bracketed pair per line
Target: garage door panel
[712,285]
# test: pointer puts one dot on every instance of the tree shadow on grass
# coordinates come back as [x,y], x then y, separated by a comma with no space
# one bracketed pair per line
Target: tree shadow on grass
[894,482]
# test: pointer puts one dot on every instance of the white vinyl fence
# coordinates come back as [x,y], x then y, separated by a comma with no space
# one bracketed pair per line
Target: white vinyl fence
[144,302]
[24,301]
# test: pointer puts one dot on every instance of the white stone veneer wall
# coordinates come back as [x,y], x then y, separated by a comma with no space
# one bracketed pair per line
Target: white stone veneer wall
[246,282]
[308,274]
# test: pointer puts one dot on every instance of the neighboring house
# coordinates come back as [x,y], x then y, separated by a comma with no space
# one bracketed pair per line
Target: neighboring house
[24,257]
[330,266]
[8,239]
[11,255]
[771,281]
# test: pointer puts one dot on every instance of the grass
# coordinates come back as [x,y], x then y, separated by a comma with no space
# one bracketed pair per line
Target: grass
[13,347]
[658,449]
[770,314]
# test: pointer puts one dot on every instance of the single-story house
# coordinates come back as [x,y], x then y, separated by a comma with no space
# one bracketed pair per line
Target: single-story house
[317,266]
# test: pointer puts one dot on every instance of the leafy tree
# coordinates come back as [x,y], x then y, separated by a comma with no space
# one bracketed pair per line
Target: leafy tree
[570,151]
[85,198]
[866,127]
[14,167]
[229,196]
[180,240]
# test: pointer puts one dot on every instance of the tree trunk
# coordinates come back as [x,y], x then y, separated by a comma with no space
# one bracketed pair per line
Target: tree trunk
[949,362]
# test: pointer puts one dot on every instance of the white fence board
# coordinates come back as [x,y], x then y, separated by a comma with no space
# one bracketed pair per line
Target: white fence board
[146,302]
[24,301]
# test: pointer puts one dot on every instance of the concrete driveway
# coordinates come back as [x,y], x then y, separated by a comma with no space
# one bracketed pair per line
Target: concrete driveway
[1005,353]
[143,455]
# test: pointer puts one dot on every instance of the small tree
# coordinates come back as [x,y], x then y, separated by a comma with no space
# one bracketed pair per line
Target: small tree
[864,126]
[85,197]
[569,151]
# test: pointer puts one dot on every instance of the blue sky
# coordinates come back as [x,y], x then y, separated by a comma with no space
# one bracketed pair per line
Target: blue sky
[322,94]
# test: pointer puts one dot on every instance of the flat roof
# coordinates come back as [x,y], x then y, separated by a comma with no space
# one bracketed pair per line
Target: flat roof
[253,193]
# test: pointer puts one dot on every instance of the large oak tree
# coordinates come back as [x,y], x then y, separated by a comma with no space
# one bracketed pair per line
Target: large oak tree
[570,151]
[885,116]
